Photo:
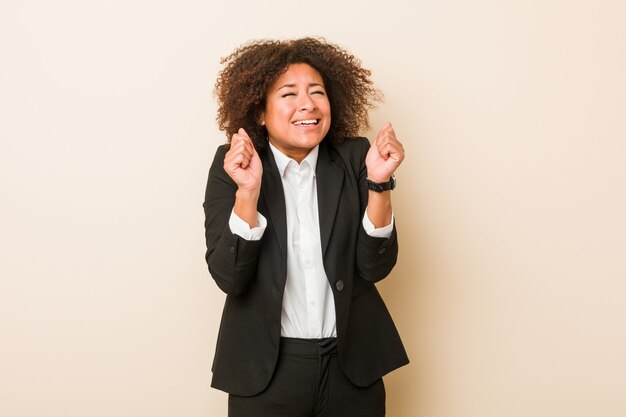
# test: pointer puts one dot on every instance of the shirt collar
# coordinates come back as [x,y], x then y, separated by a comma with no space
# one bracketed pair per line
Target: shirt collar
[283,160]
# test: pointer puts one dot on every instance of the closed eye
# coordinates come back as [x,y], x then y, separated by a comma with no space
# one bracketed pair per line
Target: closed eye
[288,94]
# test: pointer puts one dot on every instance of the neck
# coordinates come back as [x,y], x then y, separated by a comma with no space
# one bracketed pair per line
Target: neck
[296,154]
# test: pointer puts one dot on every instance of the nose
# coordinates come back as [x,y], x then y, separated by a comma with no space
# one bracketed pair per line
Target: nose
[307,103]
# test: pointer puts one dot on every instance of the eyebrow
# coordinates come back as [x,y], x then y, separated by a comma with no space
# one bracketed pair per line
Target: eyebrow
[310,85]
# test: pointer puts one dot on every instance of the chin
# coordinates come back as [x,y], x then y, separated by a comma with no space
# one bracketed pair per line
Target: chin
[312,141]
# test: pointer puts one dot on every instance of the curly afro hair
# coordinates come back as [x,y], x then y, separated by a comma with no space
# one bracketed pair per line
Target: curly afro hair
[242,85]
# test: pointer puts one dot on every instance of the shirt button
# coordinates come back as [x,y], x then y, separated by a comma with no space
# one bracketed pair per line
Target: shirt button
[339,285]
[307,261]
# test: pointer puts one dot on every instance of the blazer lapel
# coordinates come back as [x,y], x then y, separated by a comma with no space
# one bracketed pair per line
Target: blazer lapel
[274,196]
[329,175]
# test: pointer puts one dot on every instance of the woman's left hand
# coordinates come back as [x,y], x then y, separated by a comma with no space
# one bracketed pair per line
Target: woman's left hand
[384,155]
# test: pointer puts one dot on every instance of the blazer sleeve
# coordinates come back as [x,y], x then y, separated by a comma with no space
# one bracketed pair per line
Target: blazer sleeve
[232,260]
[375,256]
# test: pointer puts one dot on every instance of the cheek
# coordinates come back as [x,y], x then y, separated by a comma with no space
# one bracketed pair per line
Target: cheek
[281,113]
[327,112]
[326,108]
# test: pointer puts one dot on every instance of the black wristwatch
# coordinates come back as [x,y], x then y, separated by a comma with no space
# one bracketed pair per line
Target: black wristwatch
[379,187]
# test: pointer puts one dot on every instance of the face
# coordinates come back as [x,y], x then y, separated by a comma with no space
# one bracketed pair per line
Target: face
[297,111]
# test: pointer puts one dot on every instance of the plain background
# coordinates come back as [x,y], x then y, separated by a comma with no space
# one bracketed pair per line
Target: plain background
[510,291]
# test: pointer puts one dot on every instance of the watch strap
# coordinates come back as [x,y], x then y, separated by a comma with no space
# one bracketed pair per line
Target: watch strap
[379,187]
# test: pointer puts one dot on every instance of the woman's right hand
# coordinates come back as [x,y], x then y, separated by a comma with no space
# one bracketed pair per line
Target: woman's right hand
[242,163]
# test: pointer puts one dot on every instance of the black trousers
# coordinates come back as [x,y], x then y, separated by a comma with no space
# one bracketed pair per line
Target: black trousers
[308,382]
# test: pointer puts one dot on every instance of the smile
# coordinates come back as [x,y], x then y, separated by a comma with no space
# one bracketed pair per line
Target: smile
[306,122]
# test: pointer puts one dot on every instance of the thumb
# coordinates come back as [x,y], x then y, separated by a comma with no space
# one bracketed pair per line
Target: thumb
[384,129]
[243,133]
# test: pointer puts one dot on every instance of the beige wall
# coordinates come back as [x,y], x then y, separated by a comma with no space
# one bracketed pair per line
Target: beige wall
[510,290]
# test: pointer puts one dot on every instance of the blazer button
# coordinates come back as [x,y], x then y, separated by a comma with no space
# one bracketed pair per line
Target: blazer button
[339,285]
[382,250]
[231,249]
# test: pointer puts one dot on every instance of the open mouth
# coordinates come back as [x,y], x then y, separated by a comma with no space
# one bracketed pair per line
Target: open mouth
[306,122]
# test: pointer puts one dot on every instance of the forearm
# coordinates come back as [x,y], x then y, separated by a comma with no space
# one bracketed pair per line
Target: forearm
[232,262]
[376,256]
[379,208]
[231,259]
[246,206]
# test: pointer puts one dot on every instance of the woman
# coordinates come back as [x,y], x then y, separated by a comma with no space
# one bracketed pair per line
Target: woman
[299,227]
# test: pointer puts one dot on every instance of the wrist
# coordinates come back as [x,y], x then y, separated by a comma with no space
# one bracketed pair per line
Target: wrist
[378,179]
[247,195]
[381,186]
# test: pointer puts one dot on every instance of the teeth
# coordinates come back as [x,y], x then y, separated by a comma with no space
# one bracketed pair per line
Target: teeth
[306,122]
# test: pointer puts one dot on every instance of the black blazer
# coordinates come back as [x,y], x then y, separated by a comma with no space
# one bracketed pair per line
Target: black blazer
[253,273]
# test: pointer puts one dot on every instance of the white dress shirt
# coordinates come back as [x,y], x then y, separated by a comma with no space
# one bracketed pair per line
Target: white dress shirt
[308,309]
